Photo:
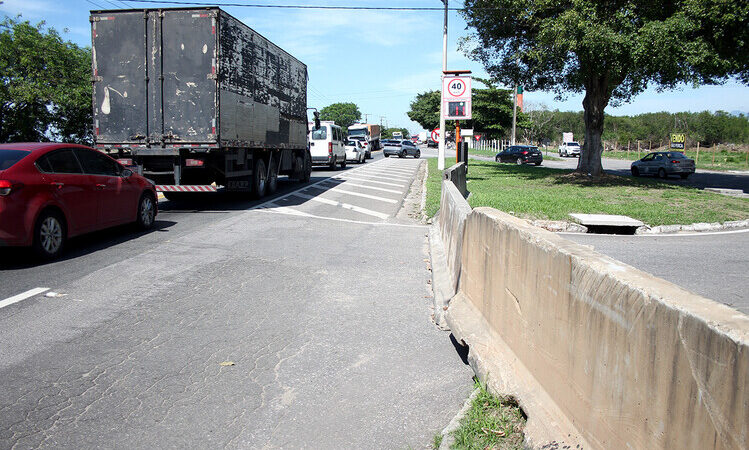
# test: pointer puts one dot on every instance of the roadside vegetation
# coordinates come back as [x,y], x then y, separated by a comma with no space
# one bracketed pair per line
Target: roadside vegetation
[491,423]
[541,193]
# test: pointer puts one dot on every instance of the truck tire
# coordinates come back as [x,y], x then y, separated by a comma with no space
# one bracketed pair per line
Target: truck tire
[259,180]
[307,168]
[272,176]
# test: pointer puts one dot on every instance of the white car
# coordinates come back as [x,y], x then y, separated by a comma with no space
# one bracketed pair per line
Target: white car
[355,151]
[569,149]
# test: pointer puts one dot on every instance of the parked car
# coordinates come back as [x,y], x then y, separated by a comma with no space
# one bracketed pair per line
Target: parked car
[432,144]
[402,148]
[50,192]
[326,145]
[520,154]
[569,149]
[663,164]
[355,151]
[364,143]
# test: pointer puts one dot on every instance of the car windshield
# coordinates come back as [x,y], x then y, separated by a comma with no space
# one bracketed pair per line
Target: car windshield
[10,157]
[573,144]
[358,132]
[320,134]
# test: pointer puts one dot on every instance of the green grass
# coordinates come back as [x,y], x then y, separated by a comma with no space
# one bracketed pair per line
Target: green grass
[542,193]
[492,422]
[725,159]
[437,441]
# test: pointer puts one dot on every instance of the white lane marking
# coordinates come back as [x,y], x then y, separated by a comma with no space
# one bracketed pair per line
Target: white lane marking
[660,235]
[391,169]
[361,222]
[348,183]
[22,296]
[386,174]
[311,185]
[358,178]
[287,210]
[355,208]
[359,194]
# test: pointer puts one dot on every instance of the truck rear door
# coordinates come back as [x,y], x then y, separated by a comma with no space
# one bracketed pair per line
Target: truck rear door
[189,69]
[119,66]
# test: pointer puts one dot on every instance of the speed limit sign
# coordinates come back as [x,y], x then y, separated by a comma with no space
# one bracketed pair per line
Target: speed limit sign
[456,97]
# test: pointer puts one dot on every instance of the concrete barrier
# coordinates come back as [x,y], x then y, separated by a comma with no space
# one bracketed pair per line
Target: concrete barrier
[597,353]
[457,175]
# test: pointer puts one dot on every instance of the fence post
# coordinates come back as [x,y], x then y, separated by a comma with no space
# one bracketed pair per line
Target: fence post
[714,146]
[698,155]
[638,149]
[627,149]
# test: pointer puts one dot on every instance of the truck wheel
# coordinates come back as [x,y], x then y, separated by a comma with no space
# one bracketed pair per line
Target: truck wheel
[259,181]
[272,176]
[307,173]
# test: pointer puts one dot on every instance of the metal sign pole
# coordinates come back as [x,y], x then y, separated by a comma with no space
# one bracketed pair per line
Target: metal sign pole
[441,152]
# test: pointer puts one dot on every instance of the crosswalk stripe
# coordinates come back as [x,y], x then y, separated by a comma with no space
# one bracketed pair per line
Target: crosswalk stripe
[369,181]
[393,169]
[386,173]
[359,194]
[354,208]
[376,188]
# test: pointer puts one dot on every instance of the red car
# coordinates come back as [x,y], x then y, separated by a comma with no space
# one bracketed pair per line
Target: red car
[50,192]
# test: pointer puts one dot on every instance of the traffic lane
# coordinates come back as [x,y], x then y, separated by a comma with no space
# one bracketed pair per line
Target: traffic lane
[326,352]
[701,179]
[713,265]
[21,271]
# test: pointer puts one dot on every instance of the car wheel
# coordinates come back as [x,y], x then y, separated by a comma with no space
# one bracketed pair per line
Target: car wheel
[332,163]
[635,172]
[496,158]
[259,179]
[272,176]
[538,163]
[684,176]
[386,155]
[662,173]
[402,155]
[418,154]
[49,235]
[146,211]
[343,163]
[519,161]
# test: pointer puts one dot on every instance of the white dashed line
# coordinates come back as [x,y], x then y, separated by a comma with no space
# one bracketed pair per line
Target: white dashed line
[359,194]
[23,296]
[354,208]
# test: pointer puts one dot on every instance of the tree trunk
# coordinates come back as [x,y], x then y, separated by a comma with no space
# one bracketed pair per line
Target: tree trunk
[595,101]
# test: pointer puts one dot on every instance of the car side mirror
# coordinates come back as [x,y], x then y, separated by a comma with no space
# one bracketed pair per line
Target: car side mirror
[126,173]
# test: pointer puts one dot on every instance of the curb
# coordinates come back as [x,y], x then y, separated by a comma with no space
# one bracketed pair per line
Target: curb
[447,437]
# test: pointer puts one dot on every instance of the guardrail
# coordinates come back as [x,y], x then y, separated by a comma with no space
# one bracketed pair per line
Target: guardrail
[457,175]
[597,353]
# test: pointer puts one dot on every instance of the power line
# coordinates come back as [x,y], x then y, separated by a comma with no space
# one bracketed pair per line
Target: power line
[96,4]
[325,7]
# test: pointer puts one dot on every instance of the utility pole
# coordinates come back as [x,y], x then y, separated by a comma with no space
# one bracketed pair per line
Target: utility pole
[365,116]
[441,152]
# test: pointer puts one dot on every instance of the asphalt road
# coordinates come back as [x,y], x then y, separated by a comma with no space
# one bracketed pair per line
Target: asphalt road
[299,321]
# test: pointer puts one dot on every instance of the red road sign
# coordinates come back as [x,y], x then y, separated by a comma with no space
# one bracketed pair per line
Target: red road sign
[436,135]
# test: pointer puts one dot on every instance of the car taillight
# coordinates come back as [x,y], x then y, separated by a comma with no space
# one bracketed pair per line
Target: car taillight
[125,161]
[194,162]
[525,152]
[330,148]
[6,187]
[674,161]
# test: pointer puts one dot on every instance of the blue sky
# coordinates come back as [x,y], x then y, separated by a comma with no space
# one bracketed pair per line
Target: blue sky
[379,60]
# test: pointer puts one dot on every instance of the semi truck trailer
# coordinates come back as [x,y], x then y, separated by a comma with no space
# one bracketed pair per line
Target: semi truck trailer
[369,131]
[197,101]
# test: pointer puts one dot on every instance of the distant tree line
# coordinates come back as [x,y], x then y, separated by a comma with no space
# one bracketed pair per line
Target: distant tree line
[539,124]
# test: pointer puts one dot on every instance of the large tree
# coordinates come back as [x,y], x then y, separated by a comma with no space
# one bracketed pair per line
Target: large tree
[343,114]
[425,110]
[609,50]
[45,85]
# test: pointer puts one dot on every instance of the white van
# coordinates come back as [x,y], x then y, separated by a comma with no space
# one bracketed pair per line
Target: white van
[326,145]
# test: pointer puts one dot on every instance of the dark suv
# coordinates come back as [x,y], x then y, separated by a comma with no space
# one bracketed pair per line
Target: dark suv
[520,154]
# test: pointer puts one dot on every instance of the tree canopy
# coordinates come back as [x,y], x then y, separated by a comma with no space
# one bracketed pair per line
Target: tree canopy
[45,85]
[343,114]
[611,50]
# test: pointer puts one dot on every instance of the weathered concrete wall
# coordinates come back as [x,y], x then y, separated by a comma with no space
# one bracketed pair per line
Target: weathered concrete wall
[630,360]
[453,212]
[457,175]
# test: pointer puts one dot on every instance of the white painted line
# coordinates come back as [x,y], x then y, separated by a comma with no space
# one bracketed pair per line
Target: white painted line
[288,210]
[384,176]
[660,235]
[392,169]
[361,222]
[358,178]
[355,208]
[385,173]
[23,296]
[348,183]
[359,194]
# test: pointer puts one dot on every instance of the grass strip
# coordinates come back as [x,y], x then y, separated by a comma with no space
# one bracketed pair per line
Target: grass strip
[551,194]
[491,423]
